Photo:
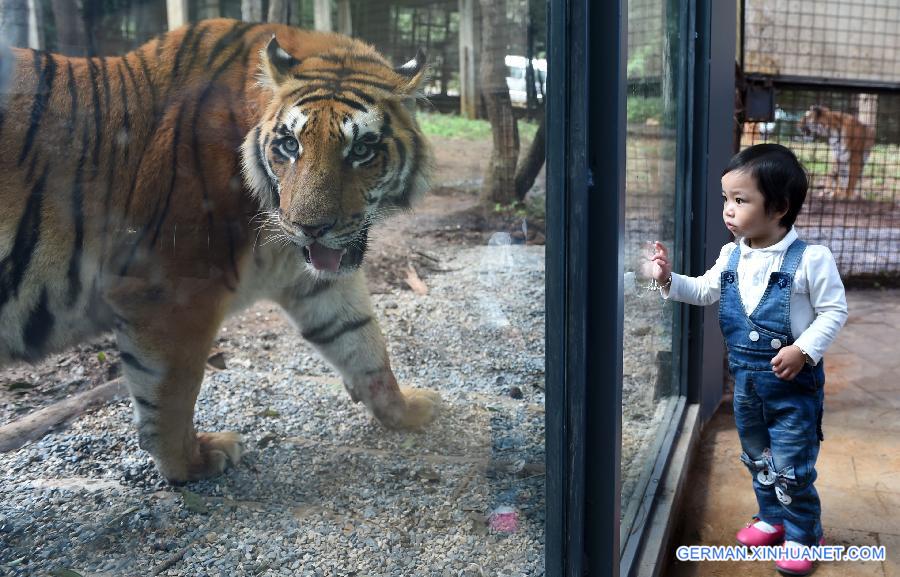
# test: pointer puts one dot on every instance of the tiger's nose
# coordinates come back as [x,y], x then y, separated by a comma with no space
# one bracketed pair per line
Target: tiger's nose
[315,230]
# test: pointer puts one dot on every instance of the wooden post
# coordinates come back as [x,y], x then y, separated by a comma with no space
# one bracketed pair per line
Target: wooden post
[345,19]
[278,11]
[208,9]
[467,69]
[868,109]
[322,15]
[251,10]
[34,25]
[176,13]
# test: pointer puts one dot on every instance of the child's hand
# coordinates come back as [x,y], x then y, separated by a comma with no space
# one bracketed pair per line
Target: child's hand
[788,362]
[662,270]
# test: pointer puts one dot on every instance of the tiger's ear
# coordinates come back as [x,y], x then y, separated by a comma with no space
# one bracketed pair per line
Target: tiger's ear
[412,77]
[412,74]
[275,64]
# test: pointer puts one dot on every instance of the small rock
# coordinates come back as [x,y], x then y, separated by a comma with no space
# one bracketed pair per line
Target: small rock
[515,392]
[217,360]
[428,474]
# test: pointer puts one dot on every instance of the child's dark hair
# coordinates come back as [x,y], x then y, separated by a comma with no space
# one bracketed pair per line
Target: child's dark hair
[779,176]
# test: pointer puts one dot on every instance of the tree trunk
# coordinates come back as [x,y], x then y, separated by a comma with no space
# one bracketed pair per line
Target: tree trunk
[176,13]
[322,15]
[345,18]
[278,11]
[251,10]
[90,19]
[208,9]
[70,36]
[500,179]
[533,162]
[35,25]
[14,22]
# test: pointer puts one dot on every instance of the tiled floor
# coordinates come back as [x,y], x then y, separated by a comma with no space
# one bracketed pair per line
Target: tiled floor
[859,461]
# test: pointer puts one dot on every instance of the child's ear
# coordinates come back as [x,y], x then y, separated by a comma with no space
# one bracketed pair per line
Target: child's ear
[275,64]
[412,77]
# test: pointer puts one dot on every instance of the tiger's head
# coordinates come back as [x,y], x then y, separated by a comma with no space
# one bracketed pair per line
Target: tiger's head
[337,150]
[815,122]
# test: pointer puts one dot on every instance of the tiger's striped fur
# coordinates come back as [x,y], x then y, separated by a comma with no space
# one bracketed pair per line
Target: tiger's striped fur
[223,162]
[850,140]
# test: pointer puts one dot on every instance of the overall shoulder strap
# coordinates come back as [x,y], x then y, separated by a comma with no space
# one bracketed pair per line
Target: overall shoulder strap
[792,257]
[735,256]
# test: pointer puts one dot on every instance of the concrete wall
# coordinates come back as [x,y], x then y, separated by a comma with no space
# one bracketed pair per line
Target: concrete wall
[845,39]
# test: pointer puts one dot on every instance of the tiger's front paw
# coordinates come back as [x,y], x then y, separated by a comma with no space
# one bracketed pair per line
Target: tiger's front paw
[421,408]
[222,449]
[212,454]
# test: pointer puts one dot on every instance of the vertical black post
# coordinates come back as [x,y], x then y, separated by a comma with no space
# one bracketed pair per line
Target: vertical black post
[601,215]
[566,285]
[585,217]
[715,26]
[563,466]
[555,299]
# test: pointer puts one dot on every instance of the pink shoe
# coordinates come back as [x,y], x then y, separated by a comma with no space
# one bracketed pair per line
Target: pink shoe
[751,536]
[796,566]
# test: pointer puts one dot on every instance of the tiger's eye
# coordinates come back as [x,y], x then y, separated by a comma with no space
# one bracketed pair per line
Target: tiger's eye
[360,149]
[291,145]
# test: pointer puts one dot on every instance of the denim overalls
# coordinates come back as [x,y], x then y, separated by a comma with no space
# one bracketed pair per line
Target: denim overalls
[779,422]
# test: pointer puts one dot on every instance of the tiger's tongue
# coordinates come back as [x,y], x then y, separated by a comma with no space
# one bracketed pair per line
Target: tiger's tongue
[324,258]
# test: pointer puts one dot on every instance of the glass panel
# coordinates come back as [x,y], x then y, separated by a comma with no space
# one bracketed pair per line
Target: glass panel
[206,229]
[649,389]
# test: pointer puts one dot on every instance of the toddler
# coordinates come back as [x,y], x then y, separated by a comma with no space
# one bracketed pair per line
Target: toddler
[781,304]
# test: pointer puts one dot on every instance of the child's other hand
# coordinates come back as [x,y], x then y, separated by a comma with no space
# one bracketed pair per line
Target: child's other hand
[788,362]
[661,267]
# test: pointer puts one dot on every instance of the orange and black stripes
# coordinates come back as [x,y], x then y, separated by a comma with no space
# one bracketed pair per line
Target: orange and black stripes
[74,272]
[133,187]
[14,266]
[73,97]
[128,148]
[47,65]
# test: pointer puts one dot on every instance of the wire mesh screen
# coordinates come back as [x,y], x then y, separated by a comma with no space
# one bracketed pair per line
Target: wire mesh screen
[399,29]
[824,79]
[850,145]
[845,39]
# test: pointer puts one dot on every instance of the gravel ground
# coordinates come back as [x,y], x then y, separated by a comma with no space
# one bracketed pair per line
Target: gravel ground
[324,490]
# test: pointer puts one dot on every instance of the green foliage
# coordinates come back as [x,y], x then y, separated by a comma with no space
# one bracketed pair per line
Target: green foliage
[532,208]
[640,108]
[455,126]
[639,62]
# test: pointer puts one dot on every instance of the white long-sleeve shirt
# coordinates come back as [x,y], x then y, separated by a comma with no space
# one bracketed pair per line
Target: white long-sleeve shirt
[818,303]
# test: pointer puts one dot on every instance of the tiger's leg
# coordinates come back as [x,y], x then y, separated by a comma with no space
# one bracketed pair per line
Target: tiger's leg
[832,181]
[164,337]
[855,175]
[337,318]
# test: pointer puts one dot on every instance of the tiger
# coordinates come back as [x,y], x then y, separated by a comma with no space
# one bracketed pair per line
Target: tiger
[155,194]
[851,143]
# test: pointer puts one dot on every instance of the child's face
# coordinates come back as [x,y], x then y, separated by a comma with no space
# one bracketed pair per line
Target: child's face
[744,208]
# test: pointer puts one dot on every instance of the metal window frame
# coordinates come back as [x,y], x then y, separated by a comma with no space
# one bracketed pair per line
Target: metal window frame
[584,286]
[585,261]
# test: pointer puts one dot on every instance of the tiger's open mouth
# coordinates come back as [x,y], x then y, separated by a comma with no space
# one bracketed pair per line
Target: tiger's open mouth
[326,259]
[323,257]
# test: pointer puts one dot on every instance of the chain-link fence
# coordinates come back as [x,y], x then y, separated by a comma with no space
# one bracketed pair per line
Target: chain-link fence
[823,78]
